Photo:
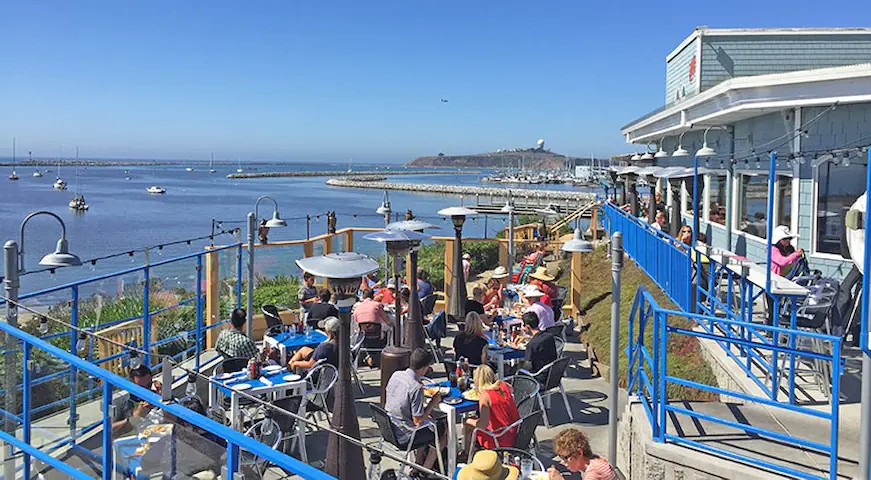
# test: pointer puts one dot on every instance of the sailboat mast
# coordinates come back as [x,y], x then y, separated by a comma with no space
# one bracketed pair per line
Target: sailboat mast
[13,152]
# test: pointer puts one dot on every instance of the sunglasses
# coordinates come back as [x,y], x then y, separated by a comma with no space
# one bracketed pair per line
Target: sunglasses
[566,460]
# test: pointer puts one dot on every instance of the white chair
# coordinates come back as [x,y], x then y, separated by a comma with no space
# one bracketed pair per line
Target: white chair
[319,380]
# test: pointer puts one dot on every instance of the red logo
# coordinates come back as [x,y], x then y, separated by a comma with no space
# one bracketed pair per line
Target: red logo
[693,68]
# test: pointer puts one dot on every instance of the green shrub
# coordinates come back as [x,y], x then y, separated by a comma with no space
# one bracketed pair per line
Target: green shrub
[278,290]
[431,258]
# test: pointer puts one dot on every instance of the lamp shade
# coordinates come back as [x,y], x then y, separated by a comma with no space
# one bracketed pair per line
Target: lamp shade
[577,244]
[389,235]
[415,225]
[680,152]
[547,212]
[384,209]
[457,212]
[706,151]
[647,156]
[635,157]
[276,221]
[61,256]
[338,265]
[508,208]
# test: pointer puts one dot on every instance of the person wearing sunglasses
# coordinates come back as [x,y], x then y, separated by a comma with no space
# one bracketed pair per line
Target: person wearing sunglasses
[575,453]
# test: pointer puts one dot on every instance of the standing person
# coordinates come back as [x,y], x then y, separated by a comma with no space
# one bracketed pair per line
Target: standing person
[471,342]
[467,265]
[575,453]
[233,343]
[405,404]
[497,409]
[263,232]
[541,348]
[321,310]
[533,296]
[424,286]
[306,357]
[308,293]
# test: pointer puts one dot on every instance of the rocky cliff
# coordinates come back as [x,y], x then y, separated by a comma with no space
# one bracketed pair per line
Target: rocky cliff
[530,160]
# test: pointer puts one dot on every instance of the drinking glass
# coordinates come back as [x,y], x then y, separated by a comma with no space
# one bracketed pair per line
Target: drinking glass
[525,468]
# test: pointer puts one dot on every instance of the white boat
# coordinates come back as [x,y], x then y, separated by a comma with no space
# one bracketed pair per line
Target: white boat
[212,164]
[189,169]
[240,170]
[78,201]
[155,189]
[59,184]
[13,176]
[37,173]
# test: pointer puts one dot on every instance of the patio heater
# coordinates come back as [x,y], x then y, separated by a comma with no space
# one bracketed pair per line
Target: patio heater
[457,295]
[413,333]
[275,222]
[12,269]
[646,174]
[399,244]
[343,270]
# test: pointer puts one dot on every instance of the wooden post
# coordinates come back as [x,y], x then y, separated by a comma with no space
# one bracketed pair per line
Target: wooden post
[503,251]
[575,287]
[213,298]
[349,241]
[308,249]
[594,223]
[449,268]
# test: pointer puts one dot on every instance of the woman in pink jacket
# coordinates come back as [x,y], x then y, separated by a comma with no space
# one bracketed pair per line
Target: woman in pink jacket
[783,255]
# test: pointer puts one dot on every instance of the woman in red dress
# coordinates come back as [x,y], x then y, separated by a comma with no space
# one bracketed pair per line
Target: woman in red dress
[497,410]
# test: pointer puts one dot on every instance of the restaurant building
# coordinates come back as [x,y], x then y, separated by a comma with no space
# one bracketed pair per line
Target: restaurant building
[803,93]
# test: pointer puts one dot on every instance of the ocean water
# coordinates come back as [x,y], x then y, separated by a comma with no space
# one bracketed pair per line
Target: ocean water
[123,216]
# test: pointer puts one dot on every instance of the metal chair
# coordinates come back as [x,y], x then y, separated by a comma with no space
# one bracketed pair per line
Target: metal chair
[265,431]
[387,427]
[427,304]
[526,389]
[435,331]
[232,365]
[287,423]
[356,346]
[550,378]
[495,435]
[271,315]
[319,380]
[525,439]
[373,343]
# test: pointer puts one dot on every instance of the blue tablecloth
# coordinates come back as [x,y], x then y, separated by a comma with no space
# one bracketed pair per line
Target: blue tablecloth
[508,353]
[462,407]
[276,378]
[295,341]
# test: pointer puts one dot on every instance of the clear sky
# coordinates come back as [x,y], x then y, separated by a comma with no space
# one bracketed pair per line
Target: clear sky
[327,80]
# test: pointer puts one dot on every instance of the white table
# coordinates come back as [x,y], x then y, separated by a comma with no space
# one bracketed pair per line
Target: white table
[287,342]
[279,389]
[452,436]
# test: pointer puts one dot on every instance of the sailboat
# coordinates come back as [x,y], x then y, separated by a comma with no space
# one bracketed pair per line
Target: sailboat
[13,176]
[350,163]
[155,189]
[212,164]
[240,170]
[127,175]
[59,184]
[37,173]
[78,201]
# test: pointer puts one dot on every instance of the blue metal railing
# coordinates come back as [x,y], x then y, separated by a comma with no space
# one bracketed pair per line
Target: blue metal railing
[661,256]
[235,441]
[649,379]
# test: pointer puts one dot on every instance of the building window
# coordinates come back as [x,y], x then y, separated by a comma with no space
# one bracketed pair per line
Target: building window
[837,188]
[717,199]
[753,203]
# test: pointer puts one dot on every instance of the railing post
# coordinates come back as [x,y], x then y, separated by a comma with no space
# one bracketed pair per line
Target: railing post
[249,284]
[662,319]
[657,360]
[74,372]
[616,267]
[213,295]
[108,450]
[25,403]
[239,277]
[10,250]
[146,317]
[349,240]
[232,461]
[835,401]
[865,409]
[199,319]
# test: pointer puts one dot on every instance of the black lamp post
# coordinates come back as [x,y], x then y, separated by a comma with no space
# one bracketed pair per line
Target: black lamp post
[344,270]
[457,295]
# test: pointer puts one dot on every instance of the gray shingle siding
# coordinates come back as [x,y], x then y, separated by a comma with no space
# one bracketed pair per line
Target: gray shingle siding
[735,56]
[677,74]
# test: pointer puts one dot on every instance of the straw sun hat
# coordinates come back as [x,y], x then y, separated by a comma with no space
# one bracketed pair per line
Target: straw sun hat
[486,466]
[500,272]
[541,274]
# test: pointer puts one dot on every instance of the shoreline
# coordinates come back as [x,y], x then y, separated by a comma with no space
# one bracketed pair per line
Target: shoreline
[332,173]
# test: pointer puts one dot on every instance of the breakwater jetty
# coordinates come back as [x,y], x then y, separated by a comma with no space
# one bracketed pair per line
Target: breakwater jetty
[378,173]
[490,194]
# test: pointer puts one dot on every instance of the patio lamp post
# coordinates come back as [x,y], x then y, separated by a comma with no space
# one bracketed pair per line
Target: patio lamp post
[12,269]
[509,209]
[457,295]
[385,211]
[275,222]
[343,270]
[413,336]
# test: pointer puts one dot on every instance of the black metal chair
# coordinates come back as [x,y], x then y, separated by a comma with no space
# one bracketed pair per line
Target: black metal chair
[525,439]
[232,365]
[388,434]
[270,313]
[526,389]
[287,423]
[427,304]
[550,378]
[511,453]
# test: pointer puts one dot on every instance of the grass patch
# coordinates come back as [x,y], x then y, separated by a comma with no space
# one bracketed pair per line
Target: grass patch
[684,353]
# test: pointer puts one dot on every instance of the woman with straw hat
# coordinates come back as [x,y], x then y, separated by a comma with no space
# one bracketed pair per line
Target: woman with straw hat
[487,466]
[497,410]
[541,279]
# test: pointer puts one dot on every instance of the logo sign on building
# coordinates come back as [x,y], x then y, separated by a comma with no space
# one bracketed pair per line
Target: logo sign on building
[692,69]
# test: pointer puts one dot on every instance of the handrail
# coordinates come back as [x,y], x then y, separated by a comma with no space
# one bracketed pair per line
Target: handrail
[235,440]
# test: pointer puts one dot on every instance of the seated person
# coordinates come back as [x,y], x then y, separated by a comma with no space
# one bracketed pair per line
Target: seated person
[493,296]
[533,297]
[405,402]
[471,342]
[541,348]
[321,310]
[476,303]
[534,255]
[233,342]
[497,409]
[575,453]
[387,295]
[131,411]
[306,357]
[424,286]
[369,282]
[370,317]
[404,300]
[544,282]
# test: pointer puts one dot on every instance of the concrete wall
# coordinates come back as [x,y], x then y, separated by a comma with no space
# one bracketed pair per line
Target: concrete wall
[677,77]
[738,56]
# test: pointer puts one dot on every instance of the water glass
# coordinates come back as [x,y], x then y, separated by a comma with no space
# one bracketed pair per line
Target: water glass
[525,468]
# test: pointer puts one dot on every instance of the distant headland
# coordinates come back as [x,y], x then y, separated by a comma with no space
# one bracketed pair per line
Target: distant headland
[528,159]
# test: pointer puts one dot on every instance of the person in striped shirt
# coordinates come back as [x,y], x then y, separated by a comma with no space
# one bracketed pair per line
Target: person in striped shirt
[575,453]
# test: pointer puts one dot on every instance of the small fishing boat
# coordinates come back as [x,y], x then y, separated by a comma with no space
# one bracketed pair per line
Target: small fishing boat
[156,190]
[13,175]
[189,169]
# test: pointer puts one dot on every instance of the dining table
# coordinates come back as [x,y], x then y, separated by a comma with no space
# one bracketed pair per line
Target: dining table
[274,383]
[453,409]
[500,354]
[289,342]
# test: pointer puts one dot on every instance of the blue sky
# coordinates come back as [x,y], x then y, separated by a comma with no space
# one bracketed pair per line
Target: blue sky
[302,80]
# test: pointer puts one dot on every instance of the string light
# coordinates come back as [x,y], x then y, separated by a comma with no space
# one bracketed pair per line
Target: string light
[82,344]
[43,325]
[135,361]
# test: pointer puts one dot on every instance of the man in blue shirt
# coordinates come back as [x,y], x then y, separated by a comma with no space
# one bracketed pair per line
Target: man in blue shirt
[424,287]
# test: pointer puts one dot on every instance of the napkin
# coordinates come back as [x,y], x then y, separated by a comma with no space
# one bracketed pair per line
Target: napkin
[266,381]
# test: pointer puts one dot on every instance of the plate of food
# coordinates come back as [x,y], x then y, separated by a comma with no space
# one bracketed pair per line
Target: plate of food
[452,400]
[272,369]
[431,390]
[471,395]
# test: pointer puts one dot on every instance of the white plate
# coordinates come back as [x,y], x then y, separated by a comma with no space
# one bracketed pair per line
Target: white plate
[224,376]
[291,377]
[272,368]
[241,386]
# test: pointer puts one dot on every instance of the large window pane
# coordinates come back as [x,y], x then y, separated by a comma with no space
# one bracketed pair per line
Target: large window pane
[718,199]
[837,188]
[752,203]
[784,201]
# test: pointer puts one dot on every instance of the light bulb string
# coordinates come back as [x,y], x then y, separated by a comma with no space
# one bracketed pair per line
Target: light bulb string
[262,403]
[795,133]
